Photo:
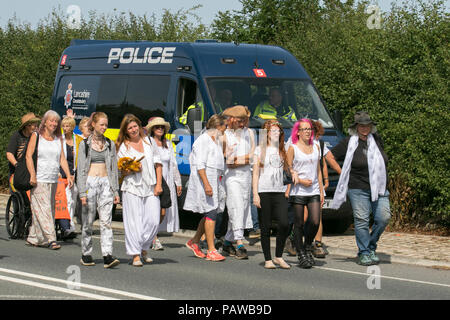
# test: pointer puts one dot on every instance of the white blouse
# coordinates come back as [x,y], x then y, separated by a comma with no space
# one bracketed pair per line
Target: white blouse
[140,183]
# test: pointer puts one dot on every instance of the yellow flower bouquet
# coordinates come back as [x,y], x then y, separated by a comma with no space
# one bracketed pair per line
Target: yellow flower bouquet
[129,164]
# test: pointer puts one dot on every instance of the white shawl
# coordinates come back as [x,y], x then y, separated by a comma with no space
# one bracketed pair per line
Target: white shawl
[377,171]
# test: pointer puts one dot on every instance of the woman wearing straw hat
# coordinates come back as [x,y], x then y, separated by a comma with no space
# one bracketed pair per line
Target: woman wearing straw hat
[363,179]
[18,141]
[157,128]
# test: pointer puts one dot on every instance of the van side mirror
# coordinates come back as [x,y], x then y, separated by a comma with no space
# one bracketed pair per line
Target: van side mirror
[194,115]
[337,116]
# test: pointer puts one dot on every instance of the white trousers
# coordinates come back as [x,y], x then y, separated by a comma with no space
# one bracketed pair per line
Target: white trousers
[71,196]
[100,198]
[238,188]
[140,221]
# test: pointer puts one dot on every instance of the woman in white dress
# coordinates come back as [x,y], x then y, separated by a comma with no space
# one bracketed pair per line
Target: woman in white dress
[205,194]
[140,190]
[157,129]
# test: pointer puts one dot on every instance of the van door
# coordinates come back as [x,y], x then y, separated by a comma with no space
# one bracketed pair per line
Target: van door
[188,95]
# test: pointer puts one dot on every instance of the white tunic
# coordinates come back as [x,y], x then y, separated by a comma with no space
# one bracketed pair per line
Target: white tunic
[171,222]
[141,183]
[206,154]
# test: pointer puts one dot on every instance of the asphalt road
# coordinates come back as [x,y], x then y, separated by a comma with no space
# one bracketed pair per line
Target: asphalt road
[175,274]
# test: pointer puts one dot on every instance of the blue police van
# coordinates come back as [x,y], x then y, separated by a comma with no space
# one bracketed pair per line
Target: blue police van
[151,79]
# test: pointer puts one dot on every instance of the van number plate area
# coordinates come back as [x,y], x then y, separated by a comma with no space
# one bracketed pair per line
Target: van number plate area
[327,204]
[260,73]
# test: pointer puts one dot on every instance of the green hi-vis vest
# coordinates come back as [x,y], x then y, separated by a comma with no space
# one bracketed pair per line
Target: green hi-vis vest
[183,118]
[268,111]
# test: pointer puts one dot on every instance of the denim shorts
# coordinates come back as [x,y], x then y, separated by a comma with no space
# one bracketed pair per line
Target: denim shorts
[304,200]
[212,215]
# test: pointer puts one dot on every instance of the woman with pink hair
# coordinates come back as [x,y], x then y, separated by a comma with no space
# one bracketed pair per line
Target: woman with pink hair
[303,161]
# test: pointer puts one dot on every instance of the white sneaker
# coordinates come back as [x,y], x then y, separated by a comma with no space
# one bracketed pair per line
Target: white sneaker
[157,245]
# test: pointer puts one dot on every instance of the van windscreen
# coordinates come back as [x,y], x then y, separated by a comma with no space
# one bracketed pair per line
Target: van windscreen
[286,100]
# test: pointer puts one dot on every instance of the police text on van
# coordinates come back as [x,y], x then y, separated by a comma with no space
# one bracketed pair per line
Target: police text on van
[151,55]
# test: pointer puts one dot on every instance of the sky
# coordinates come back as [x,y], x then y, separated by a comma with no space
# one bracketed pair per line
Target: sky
[31,11]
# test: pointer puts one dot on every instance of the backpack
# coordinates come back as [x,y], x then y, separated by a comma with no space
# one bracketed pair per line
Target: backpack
[21,180]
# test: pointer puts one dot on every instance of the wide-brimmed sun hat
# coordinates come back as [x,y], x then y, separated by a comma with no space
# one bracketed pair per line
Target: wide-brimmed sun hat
[362,117]
[157,121]
[27,119]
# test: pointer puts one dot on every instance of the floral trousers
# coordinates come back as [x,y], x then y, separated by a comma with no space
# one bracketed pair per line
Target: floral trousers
[42,201]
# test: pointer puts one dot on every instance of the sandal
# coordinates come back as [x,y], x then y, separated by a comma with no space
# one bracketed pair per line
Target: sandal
[29,244]
[53,245]
[281,263]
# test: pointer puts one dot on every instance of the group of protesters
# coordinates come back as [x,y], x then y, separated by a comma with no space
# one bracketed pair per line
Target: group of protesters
[228,169]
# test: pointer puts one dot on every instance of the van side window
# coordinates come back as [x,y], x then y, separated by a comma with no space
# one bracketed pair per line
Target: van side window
[111,98]
[145,96]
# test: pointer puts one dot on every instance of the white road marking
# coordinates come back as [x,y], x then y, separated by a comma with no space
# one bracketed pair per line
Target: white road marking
[55,288]
[82,285]
[385,277]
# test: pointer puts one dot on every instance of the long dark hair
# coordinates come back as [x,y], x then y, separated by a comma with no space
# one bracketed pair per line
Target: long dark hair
[123,134]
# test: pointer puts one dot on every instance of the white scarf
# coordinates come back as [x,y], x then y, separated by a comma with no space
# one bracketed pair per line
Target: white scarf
[377,171]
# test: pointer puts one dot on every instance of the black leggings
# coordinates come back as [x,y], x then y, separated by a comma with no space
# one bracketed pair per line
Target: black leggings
[312,224]
[273,205]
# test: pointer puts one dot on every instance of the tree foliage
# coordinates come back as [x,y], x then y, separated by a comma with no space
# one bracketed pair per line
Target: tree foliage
[29,57]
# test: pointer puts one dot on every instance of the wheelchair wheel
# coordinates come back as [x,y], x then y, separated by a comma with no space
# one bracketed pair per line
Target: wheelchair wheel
[13,217]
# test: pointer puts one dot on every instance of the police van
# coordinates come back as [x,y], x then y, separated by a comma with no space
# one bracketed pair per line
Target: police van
[186,83]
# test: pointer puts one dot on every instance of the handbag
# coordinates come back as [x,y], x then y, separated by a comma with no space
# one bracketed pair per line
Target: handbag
[164,197]
[22,176]
[287,178]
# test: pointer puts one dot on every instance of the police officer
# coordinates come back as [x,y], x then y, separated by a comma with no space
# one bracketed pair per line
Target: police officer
[198,104]
[224,100]
[272,108]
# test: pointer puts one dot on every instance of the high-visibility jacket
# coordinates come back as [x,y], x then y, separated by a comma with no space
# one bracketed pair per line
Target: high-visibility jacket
[266,111]
[183,118]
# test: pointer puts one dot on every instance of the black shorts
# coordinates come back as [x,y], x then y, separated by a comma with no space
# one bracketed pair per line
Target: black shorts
[304,200]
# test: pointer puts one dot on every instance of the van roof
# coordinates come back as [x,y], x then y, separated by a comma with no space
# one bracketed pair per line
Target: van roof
[204,57]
